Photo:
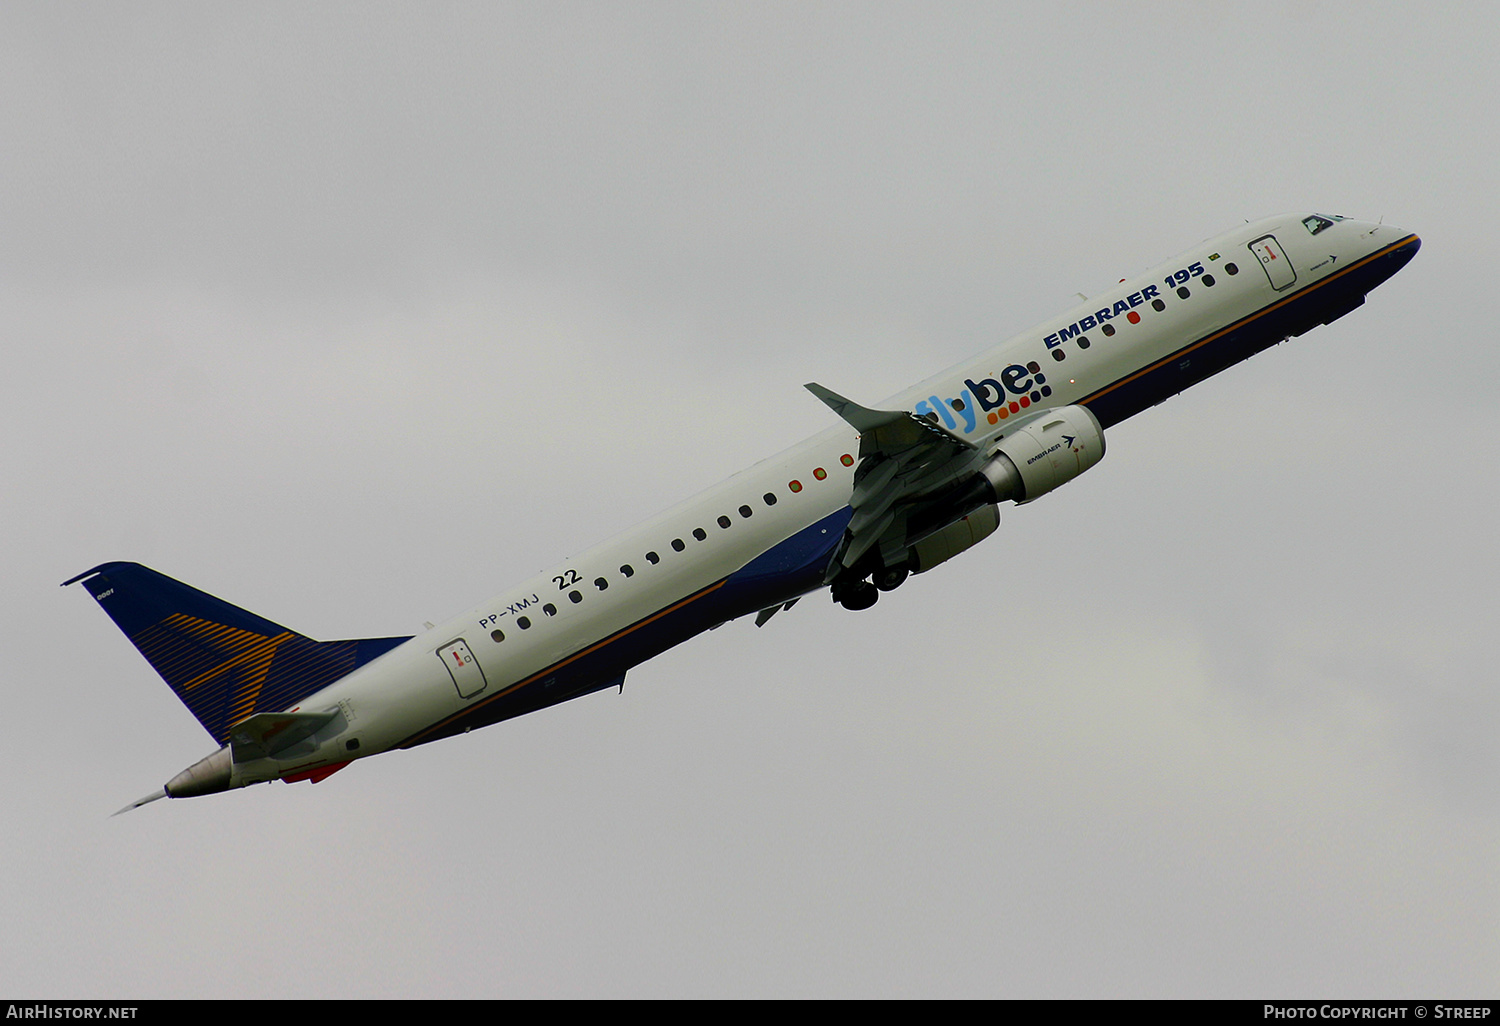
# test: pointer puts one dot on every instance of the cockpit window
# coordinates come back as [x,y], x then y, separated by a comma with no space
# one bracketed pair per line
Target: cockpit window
[1317,222]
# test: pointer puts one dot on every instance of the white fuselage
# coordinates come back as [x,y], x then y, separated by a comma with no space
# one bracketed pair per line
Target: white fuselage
[621,601]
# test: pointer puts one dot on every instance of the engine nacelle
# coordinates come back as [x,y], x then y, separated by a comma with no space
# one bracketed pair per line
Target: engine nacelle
[1049,450]
[964,533]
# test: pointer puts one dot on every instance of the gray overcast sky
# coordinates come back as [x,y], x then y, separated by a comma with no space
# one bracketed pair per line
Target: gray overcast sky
[356,314]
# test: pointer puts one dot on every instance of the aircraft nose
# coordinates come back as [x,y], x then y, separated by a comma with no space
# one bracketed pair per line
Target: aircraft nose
[1385,234]
[1403,245]
[1390,249]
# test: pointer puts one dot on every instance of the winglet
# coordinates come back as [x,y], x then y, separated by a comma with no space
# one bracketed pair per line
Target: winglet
[885,430]
[861,418]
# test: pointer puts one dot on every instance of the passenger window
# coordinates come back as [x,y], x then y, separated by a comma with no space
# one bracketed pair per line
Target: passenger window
[699,533]
[653,558]
[550,609]
[575,597]
[770,498]
[523,622]
[627,570]
[678,545]
[600,583]
[724,522]
[497,636]
[745,512]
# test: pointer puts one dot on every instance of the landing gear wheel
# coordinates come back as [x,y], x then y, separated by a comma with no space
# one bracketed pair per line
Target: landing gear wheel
[858,595]
[891,578]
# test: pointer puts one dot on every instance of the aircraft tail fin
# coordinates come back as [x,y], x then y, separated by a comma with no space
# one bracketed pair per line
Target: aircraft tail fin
[225,663]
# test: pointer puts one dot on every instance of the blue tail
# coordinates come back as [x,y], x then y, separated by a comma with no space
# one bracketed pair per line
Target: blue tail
[224,662]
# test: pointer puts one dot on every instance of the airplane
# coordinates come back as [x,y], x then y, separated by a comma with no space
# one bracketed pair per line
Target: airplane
[884,492]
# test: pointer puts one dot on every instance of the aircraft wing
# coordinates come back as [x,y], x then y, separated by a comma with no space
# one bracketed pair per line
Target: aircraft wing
[903,459]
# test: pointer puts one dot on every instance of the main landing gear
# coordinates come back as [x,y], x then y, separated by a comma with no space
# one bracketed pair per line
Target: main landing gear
[860,593]
[855,594]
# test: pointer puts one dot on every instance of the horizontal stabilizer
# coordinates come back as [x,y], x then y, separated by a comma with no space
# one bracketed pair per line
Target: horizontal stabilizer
[265,734]
[225,663]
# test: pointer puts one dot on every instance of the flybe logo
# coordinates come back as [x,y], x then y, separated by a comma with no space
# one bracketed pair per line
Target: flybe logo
[1017,388]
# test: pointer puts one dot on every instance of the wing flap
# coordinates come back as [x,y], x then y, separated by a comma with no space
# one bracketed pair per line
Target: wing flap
[903,459]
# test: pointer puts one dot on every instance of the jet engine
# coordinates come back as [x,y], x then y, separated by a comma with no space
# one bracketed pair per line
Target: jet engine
[1046,451]
[964,533]
[1043,450]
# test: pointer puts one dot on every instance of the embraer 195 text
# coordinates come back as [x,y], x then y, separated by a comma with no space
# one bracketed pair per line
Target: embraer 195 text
[882,493]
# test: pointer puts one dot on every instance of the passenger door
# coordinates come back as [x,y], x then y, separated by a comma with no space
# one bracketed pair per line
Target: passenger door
[1274,261]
